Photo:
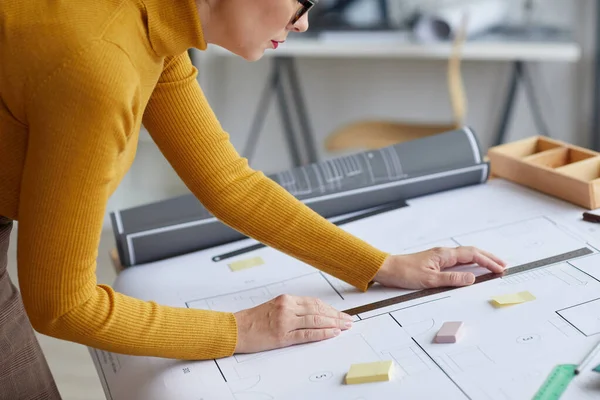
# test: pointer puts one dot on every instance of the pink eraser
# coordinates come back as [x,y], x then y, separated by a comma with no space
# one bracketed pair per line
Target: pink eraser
[450,332]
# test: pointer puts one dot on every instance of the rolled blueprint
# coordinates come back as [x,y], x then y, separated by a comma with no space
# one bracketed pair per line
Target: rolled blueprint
[332,188]
[445,22]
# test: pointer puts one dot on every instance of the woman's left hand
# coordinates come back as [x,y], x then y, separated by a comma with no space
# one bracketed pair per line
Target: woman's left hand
[427,269]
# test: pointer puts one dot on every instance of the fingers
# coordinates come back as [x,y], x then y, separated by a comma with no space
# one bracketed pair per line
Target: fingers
[320,322]
[467,255]
[287,320]
[492,257]
[315,321]
[451,279]
[313,313]
[312,335]
[314,306]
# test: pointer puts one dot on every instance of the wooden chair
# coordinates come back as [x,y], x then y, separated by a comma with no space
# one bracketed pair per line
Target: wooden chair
[375,134]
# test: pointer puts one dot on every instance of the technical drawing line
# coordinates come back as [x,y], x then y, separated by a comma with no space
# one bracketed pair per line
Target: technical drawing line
[247,389]
[389,167]
[223,375]
[404,308]
[392,162]
[441,369]
[332,175]
[395,320]
[550,220]
[569,322]
[366,157]
[319,178]
[369,344]
[352,166]
[577,305]
[455,241]
[467,351]
[330,284]
[592,246]
[247,290]
[558,327]
[580,270]
[104,375]
[565,229]
[571,276]
[309,188]
[505,225]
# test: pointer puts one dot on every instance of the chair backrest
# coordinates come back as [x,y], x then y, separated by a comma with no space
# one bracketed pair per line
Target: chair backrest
[374,134]
[456,89]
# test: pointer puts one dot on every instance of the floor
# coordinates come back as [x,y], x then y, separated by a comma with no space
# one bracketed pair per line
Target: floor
[70,363]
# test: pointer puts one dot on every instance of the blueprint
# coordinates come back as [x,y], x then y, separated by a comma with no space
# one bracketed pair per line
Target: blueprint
[331,188]
[506,352]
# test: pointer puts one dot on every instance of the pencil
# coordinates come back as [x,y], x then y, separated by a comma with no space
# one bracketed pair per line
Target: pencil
[587,359]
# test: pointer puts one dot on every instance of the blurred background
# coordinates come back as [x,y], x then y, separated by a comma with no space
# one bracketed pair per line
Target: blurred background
[388,61]
[371,72]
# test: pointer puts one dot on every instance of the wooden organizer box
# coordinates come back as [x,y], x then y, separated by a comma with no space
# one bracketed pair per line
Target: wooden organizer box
[550,166]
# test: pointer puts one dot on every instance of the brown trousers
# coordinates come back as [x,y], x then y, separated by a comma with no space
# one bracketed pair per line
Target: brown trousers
[24,372]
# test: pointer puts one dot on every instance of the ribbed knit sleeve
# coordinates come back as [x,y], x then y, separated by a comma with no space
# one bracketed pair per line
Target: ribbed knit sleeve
[191,138]
[81,119]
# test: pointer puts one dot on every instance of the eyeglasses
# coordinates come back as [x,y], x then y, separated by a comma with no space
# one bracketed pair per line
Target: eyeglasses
[305,6]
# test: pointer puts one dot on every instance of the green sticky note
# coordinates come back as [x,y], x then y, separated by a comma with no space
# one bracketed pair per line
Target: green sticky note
[597,369]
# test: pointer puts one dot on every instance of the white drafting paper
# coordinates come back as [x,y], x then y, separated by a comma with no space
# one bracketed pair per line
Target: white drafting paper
[318,370]
[149,378]
[508,352]
[458,212]
[489,363]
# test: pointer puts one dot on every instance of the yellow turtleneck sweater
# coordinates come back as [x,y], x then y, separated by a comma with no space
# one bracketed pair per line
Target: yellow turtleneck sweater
[77,80]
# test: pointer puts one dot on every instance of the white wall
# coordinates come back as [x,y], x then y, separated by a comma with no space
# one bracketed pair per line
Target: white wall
[339,91]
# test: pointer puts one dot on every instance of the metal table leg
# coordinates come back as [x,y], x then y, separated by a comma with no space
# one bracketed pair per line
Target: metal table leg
[288,104]
[300,106]
[286,118]
[509,103]
[261,112]
[519,74]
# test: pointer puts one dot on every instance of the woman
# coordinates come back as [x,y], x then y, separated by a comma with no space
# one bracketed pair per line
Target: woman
[77,80]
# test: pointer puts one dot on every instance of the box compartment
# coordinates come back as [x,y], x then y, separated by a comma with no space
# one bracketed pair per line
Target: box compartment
[527,147]
[552,167]
[586,171]
[559,157]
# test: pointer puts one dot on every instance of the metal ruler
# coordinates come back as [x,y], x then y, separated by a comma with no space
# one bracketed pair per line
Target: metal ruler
[480,279]
[556,383]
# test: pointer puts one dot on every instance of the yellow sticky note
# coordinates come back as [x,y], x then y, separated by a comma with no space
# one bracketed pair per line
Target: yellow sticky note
[512,298]
[369,372]
[246,263]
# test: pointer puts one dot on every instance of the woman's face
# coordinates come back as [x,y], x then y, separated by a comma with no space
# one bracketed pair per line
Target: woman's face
[249,27]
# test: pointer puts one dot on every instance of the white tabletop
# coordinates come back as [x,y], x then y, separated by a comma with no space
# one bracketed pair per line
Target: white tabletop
[360,45]
[506,352]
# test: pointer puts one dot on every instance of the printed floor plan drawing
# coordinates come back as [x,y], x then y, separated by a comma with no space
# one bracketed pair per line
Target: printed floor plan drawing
[373,167]
[506,352]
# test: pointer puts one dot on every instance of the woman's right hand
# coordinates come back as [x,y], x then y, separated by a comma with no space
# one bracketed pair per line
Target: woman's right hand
[288,320]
